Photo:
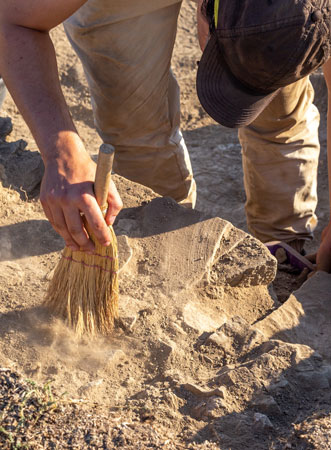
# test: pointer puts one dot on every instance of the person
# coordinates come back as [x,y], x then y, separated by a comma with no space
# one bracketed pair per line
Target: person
[136,107]
[253,75]
[125,47]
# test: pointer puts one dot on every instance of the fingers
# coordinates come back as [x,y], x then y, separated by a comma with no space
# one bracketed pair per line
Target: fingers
[96,221]
[47,211]
[74,233]
[70,227]
[115,204]
[64,208]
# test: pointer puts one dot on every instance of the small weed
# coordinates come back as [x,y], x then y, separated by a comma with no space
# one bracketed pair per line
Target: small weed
[24,406]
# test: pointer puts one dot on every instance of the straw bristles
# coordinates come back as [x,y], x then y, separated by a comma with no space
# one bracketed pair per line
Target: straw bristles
[84,288]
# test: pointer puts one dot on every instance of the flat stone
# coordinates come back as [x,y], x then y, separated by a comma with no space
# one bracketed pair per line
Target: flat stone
[195,319]
[125,226]
[305,318]
[208,250]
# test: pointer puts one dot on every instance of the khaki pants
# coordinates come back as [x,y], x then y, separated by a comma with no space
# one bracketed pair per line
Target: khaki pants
[126,49]
[280,159]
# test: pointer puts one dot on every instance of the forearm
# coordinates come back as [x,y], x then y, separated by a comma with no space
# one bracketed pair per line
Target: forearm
[28,66]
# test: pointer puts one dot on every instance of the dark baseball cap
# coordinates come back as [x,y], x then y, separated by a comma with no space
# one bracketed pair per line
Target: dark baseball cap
[256,47]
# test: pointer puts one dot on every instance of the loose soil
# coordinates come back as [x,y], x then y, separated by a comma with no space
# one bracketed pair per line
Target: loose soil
[189,367]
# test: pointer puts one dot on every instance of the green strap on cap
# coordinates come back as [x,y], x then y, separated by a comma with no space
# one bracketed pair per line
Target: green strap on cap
[216,7]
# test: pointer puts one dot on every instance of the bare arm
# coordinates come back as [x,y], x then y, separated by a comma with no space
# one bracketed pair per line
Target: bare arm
[28,66]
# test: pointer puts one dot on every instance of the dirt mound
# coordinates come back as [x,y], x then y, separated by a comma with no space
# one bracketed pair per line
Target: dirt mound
[206,356]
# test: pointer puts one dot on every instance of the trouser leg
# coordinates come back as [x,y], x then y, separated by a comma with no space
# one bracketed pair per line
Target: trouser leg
[135,96]
[280,160]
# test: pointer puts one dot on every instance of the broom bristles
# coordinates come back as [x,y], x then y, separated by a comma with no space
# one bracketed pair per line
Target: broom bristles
[84,288]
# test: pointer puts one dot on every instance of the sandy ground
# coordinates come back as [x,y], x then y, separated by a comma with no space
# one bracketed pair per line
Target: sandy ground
[211,353]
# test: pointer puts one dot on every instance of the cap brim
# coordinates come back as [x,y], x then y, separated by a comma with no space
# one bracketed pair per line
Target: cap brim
[223,97]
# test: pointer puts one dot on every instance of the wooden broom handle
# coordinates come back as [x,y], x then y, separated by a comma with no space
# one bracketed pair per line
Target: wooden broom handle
[103,175]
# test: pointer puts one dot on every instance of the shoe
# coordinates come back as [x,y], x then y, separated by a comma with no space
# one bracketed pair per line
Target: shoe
[286,254]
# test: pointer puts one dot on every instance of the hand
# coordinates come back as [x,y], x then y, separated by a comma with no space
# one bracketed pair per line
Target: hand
[203,27]
[67,191]
[323,257]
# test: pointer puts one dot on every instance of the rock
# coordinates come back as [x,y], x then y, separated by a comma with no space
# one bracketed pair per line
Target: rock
[327,373]
[305,318]
[313,380]
[178,329]
[215,405]
[235,336]
[246,263]
[262,423]
[279,384]
[195,319]
[165,350]
[219,339]
[125,226]
[209,250]
[266,404]
[211,408]
[6,127]
[228,378]
[201,392]
[129,322]
[23,169]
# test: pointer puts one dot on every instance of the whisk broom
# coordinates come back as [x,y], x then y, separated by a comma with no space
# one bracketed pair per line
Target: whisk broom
[84,288]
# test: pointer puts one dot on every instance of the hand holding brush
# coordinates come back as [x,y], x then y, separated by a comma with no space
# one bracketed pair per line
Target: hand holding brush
[84,288]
